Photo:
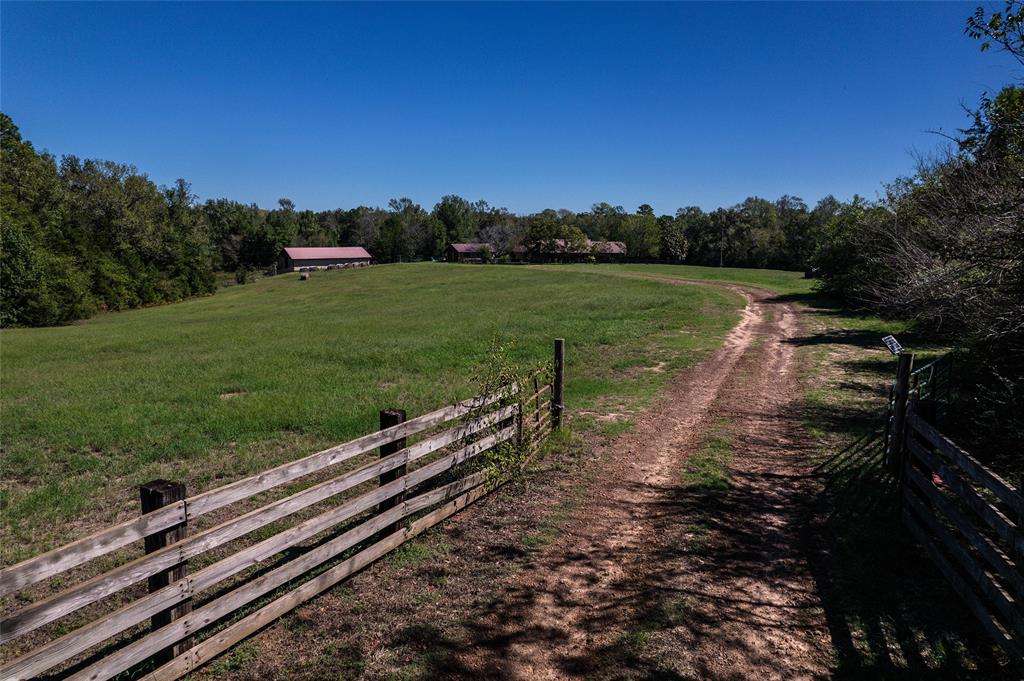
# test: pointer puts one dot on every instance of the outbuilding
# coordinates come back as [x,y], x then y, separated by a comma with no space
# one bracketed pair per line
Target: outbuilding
[293,259]
[468,252]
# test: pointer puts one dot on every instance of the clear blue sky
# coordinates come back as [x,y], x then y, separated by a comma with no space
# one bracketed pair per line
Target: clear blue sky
[527,105]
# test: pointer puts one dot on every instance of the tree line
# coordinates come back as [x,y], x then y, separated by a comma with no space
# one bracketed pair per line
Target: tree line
[943,246]
[83,236]
[756,233]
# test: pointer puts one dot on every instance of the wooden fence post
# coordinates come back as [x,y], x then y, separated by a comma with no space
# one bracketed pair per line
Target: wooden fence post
[557,402]
[536,401]
[904,366]
[520,431]
[388,418]
[155,495]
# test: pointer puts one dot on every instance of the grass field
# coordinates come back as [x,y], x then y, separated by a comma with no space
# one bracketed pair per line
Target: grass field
[211,389]
[779,281]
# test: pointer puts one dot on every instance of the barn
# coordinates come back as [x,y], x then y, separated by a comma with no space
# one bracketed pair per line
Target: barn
[468,252]
[296,258]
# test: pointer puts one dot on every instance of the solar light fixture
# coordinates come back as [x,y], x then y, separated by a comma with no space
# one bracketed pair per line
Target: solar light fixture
[893,344]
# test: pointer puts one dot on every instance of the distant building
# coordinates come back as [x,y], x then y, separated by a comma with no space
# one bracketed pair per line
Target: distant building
[294,259]
[467,252]
[560,250]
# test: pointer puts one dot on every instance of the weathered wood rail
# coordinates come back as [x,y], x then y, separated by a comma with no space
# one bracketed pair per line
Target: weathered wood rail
[154,632]
[970,522]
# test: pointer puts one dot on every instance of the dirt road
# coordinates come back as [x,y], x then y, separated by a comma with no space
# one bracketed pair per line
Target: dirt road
[654,574]
[697,547]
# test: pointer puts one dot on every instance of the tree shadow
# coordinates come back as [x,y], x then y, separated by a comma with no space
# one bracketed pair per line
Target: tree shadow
[888,612]
[874,367]
[891,614]
[823,305]
[860,339]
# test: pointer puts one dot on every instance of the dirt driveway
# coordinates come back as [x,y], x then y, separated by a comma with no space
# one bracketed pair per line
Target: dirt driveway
[653,572]
[700,545]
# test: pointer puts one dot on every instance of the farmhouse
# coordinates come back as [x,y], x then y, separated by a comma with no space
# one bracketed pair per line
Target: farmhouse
[560,250]
[467,252]
[293,258]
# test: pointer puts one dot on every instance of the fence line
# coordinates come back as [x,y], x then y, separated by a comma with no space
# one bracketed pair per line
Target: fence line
[114,580]
[59,560]
[486,422]
[957,509]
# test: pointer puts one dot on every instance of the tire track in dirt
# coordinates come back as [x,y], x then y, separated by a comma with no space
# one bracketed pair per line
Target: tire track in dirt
[751,610]
[755,610]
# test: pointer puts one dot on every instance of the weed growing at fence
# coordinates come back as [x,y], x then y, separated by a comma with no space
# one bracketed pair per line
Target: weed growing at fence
[238,658]
[497,372]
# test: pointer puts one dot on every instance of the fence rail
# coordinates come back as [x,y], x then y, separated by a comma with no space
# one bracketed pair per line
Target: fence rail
[369,524]
[970,522]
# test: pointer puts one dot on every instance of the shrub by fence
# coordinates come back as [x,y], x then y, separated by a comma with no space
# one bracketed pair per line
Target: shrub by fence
[250,562]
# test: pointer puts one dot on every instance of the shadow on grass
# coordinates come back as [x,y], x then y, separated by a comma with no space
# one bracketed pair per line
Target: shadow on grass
[875,367]
[860,339]
[873,328]
[891,614]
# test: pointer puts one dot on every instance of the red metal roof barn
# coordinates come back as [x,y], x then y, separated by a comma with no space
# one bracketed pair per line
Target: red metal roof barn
[294,258]
[467,252]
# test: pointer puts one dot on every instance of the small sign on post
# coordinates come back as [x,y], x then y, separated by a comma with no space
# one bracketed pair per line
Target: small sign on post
[893,344]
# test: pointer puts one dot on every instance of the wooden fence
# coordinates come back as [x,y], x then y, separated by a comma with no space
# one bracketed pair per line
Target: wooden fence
[970,522]
[181,621]
[931,385]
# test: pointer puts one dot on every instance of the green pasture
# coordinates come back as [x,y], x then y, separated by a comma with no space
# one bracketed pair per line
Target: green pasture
[211,389]
[779,281]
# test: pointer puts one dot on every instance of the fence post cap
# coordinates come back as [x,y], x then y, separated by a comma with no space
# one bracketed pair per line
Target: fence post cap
[393,414]
[159,485]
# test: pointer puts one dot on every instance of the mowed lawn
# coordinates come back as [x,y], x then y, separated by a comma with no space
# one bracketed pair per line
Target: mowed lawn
[779,281]
[212,389]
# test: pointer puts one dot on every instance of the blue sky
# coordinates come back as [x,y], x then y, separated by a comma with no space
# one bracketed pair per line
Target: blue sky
[525,105]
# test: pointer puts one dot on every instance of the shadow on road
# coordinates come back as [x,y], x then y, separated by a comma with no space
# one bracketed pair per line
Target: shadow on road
[889,614]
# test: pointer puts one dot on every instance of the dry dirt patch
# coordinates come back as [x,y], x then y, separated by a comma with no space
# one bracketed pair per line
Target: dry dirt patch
[648,565]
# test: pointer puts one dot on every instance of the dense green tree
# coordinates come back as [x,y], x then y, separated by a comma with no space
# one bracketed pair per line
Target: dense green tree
[601,222]
[459,218]
[640,232]
[393,243]
[90,235]
[674,246]
[227,223]
[996,134]
[798,238]
[32,210]
[545,233]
